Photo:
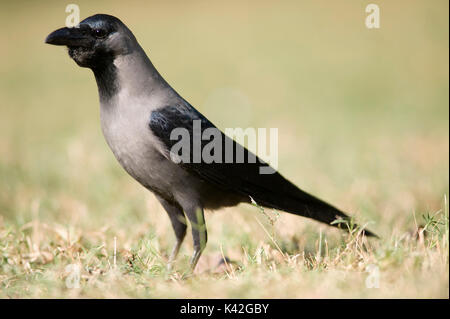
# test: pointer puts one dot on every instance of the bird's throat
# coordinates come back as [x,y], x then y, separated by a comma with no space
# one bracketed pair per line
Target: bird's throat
[107,80]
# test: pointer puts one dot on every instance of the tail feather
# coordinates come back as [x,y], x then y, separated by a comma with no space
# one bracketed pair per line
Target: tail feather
[304,204]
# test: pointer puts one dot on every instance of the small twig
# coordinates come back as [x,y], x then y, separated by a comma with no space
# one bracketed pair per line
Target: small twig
[115,251]
[271,238]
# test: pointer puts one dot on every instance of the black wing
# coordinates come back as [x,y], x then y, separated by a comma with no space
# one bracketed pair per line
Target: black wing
[244,178]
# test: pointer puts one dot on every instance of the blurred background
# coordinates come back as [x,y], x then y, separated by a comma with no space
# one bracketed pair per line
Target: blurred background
[362,114]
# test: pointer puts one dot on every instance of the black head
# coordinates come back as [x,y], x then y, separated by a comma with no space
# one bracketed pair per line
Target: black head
[96,41]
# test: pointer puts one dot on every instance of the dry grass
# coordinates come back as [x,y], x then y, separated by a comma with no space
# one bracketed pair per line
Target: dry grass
[35,257]
[363,123]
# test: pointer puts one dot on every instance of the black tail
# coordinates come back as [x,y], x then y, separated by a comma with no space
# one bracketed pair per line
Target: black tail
[295,201]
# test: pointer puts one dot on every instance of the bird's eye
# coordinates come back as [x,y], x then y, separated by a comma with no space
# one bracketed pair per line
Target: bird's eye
[99,33]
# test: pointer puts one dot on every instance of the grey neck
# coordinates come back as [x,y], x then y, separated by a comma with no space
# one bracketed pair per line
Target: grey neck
[132,72]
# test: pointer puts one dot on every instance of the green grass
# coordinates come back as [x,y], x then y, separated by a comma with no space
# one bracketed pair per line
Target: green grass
[363,123]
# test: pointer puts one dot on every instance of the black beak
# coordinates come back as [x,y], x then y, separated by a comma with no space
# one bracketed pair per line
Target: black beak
[71,37]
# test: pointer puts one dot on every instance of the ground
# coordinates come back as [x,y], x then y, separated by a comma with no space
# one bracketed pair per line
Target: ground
[362,118]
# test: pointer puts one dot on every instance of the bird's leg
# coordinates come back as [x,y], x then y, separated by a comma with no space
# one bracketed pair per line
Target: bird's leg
[179,226]
[199,234]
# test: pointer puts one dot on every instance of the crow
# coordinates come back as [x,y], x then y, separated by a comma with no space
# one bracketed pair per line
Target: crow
[139,113]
